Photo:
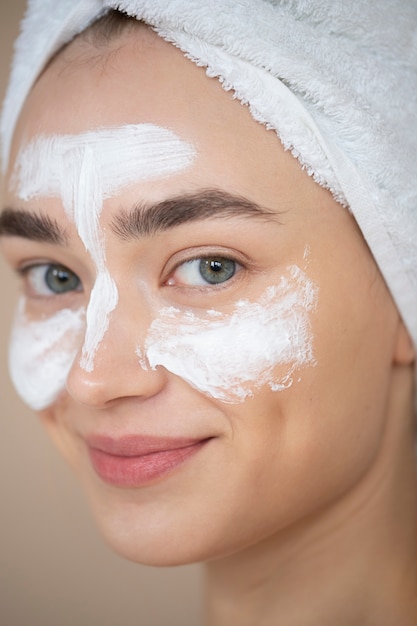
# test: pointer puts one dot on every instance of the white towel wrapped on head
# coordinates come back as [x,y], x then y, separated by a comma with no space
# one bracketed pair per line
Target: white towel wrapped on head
[337,81]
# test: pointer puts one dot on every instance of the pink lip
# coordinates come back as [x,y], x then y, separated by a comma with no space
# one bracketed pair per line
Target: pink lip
[133,461]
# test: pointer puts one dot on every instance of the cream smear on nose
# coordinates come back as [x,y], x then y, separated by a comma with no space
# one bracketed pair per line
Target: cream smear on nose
[229,357]
[85,169]
[41,354]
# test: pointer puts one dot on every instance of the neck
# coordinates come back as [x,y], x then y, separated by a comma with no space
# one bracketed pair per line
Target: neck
[353,564]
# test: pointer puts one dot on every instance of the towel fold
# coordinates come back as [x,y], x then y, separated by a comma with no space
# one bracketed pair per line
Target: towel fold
[336,80]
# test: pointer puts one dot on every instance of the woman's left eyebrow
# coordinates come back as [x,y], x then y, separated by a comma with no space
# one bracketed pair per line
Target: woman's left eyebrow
[28,225]
[147,219]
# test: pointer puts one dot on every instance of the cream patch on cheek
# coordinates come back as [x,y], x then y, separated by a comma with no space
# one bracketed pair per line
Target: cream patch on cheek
[229,357]
[84,170]
[41,354]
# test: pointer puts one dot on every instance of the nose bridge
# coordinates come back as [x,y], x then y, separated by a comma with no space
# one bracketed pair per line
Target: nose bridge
[125,328]
[115,370]
[103,302]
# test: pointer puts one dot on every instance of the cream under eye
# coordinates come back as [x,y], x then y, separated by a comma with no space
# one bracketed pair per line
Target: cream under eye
[211,270]
[46,279]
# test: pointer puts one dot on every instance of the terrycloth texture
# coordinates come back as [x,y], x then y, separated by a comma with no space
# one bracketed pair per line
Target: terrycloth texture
[337,80]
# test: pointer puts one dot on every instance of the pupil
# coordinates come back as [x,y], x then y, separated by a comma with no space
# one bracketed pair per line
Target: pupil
[216,266]
[61,276]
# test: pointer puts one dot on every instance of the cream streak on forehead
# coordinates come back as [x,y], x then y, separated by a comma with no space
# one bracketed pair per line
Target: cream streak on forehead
[230,357]
[122,156]
[84,170]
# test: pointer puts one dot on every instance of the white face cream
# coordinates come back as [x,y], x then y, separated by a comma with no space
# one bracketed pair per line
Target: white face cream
[225,356]
[83,170]
[41,354]
[229,357]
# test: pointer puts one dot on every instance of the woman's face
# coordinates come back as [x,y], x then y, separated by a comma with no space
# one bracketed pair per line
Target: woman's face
[203,330]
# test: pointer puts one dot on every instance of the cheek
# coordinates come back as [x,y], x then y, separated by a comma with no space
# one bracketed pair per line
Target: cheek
[338,423]
[41,355]
[230,357]
[355,346]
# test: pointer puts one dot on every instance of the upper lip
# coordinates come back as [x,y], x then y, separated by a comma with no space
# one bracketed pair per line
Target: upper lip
[139,445]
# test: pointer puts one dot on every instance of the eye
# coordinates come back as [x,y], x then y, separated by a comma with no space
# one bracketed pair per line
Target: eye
[205,271]
[47,279]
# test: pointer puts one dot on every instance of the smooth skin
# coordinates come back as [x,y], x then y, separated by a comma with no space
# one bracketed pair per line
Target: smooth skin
[304,502]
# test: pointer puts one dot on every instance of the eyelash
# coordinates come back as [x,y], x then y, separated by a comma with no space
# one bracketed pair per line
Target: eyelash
[36,275]
[209,263]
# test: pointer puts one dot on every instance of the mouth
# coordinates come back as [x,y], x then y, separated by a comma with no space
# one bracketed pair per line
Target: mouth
[134,461]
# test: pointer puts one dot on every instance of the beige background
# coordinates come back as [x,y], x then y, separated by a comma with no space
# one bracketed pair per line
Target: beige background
[54,569]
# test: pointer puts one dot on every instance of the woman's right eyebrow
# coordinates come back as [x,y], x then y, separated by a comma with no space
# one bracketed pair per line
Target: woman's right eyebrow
[33,226]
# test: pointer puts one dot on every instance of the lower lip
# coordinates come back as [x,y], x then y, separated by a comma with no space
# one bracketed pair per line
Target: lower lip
[135,471]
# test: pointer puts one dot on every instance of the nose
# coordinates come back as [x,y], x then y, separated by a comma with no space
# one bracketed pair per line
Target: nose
[117,372]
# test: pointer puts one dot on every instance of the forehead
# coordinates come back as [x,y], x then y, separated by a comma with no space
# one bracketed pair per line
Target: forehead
[134,80]
[143,79]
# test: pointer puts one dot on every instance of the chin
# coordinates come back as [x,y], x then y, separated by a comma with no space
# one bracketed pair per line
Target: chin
[146,526]
[158,553]
[149,541]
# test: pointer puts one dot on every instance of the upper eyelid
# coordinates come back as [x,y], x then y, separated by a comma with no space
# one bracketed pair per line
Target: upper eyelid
[200,257]
[205,252]
[24,267]
[24,271]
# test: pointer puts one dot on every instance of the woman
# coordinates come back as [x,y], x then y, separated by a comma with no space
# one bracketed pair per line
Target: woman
[219,337]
